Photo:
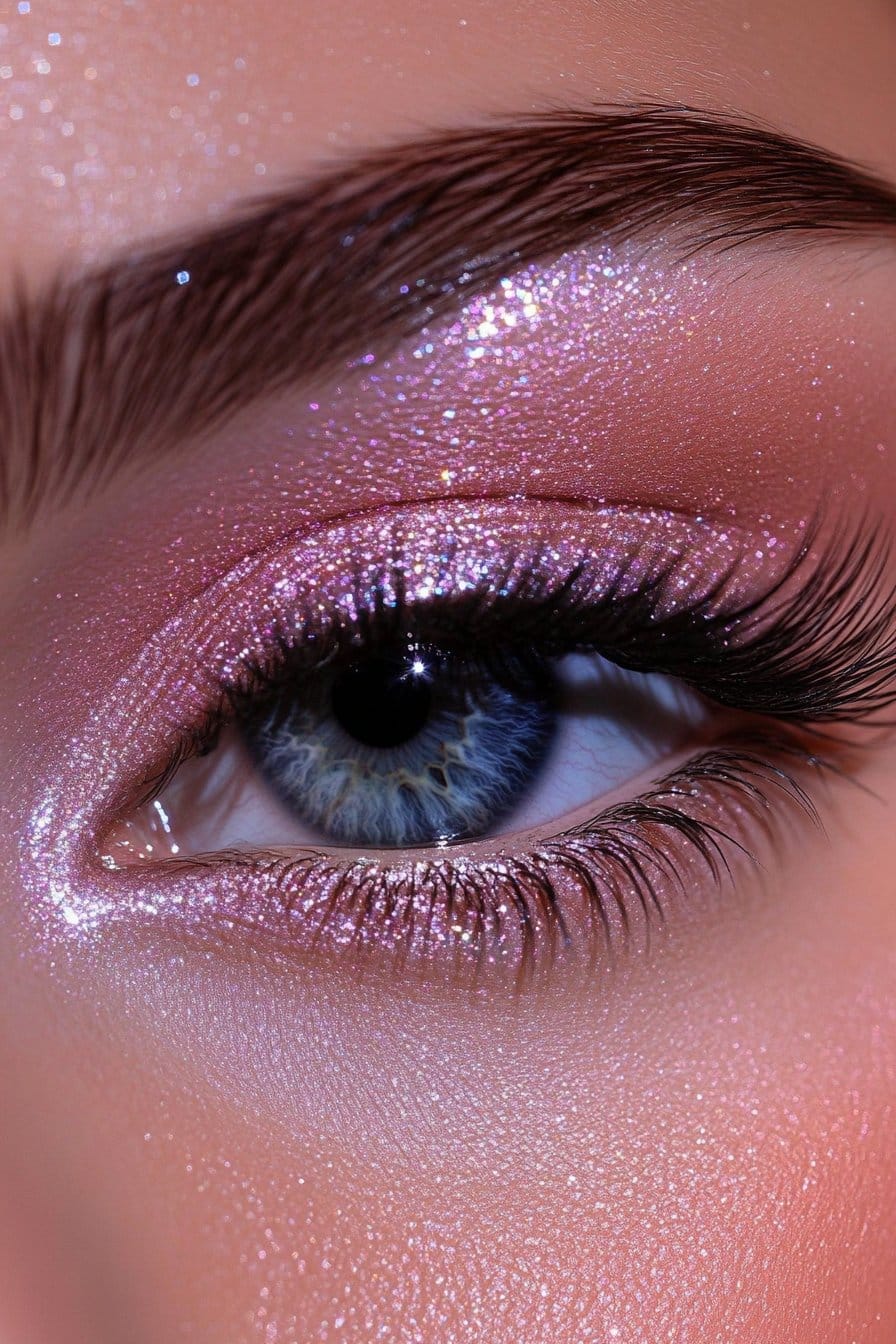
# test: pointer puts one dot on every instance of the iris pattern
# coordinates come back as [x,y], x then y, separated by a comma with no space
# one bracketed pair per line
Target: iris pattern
[405,747]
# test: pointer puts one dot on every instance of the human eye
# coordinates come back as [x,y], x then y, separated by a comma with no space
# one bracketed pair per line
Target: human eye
[482,734]
[702,653]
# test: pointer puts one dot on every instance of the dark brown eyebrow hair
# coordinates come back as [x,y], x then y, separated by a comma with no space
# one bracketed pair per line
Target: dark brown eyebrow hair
[126,361]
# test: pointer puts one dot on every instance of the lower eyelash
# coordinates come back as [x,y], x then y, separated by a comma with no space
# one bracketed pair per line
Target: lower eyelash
[588,890]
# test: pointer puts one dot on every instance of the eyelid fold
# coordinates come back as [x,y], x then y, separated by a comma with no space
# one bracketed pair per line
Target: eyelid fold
[305,585]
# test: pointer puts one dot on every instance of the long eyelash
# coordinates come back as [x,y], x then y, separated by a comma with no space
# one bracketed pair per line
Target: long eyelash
[823,653]
[814,649]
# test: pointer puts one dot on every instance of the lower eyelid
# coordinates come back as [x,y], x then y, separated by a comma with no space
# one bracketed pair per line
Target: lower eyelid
[599,885]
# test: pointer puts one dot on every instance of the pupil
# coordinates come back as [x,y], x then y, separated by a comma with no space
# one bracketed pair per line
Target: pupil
[381,701]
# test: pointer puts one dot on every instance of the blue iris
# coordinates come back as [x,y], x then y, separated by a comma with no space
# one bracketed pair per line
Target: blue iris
[405,747]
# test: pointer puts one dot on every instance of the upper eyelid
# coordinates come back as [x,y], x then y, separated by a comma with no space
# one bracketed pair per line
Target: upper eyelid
[147,359]
[379,519]
[794,649]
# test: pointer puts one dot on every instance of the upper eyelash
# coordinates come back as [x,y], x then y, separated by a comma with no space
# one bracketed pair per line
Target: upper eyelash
[810,650]
[822,653]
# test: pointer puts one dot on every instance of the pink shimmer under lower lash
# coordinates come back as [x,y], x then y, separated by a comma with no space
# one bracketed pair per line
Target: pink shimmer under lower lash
[430,551]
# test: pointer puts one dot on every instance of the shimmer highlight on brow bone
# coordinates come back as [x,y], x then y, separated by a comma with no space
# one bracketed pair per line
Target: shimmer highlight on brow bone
[129,360]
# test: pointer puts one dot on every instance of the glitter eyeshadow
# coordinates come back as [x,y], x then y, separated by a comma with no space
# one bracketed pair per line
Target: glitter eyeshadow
[527,381]
[329,575]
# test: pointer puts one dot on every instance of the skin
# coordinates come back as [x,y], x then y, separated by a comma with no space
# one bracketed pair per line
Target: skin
[200,1144]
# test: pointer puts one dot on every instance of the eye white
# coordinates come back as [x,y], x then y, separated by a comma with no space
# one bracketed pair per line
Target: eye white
[613,726]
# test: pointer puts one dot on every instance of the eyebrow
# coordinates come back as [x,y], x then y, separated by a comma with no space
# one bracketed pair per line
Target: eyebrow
[125,362]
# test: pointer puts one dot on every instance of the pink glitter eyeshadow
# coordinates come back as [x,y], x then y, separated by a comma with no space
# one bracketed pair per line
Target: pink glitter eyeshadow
[305,585]
[557,359]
